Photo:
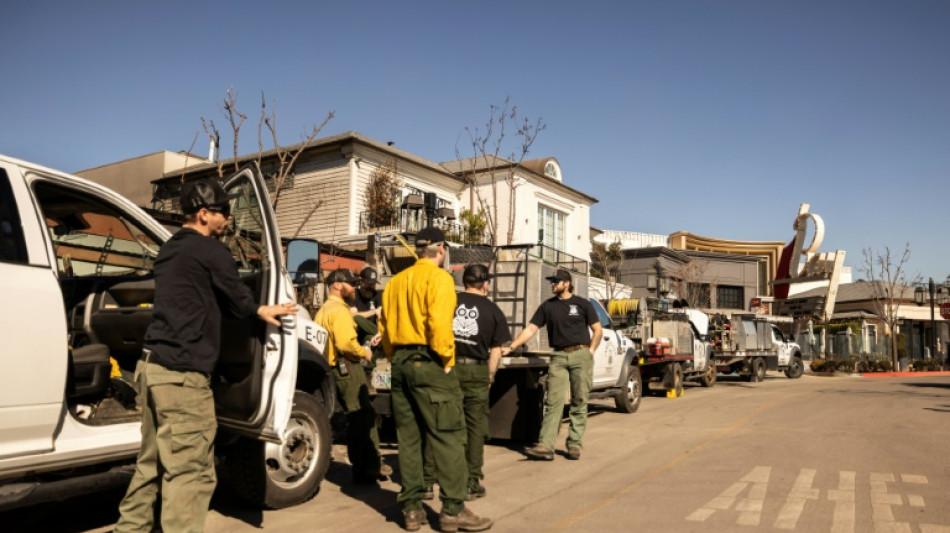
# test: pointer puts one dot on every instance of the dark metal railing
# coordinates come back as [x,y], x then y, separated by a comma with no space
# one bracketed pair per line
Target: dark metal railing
[413,220]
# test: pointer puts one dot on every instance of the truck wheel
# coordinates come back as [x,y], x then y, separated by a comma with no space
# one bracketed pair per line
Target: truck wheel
[628,397]
[709,378]
[673,380]
[795,368]
[758,370]
[275,476]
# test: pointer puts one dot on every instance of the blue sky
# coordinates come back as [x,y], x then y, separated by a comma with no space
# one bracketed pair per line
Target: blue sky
[709,116]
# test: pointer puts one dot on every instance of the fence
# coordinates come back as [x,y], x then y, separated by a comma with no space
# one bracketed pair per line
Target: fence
[852,348]
[843,346]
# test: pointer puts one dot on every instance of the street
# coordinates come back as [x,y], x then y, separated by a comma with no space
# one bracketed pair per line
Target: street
[838,454]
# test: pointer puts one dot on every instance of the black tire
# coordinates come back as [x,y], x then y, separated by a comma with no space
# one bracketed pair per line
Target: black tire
[795,368]
[628,398]
[673,379]
[709,377]
[758,370]
[275,476]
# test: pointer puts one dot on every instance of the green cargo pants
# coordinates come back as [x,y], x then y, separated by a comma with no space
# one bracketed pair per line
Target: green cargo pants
[475,384]
[362,438]
[176,460]
[573,369]
[427,404]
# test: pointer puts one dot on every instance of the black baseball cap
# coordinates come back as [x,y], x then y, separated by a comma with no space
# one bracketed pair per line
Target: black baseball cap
[343,275]
[428,236]
[369,274]
[207,193]
[560,275]
[476,273]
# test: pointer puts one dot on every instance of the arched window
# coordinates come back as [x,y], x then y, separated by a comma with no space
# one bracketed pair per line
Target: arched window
[552,170]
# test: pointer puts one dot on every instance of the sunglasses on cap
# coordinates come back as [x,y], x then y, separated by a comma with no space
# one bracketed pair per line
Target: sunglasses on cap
[223,209]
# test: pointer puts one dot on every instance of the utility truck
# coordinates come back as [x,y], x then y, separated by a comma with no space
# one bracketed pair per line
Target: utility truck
[750,344]
[672,345]
[77,282]
[518,287]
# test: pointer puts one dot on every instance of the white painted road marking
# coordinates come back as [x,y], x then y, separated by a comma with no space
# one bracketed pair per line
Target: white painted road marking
[750,507]
[843,521]
[795,503]
[754,486]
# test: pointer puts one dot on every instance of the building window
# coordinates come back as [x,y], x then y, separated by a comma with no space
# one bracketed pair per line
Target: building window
[551,224]
[729,297]
[552,171]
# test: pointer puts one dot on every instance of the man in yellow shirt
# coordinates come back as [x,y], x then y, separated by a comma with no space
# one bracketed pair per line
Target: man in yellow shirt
[416,329]
[345,355]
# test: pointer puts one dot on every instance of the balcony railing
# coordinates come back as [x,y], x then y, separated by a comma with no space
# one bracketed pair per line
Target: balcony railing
[411,221]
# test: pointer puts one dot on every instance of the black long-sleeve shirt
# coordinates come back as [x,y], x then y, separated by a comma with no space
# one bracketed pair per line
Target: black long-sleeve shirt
[195,281]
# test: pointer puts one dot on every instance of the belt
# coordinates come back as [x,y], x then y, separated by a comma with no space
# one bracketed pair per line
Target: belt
[429,355]
[574,348]
[411,347]
[470,361]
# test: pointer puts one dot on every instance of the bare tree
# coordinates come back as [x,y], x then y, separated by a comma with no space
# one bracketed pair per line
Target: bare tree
[607,263]
[487,158]
[889,287]
[285,156]
[689,283]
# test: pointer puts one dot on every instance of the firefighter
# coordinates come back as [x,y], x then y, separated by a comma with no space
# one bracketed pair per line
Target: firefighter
[345,355]
[416,329]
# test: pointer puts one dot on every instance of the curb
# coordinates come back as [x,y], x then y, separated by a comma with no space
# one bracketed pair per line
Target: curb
[922,374]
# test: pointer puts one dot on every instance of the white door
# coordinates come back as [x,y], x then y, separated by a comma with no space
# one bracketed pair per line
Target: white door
[33,344]
[258,361]
[608,357]
[781,346]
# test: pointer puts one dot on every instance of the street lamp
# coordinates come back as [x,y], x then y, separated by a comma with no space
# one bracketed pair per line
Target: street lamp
[938,294]
[660,283]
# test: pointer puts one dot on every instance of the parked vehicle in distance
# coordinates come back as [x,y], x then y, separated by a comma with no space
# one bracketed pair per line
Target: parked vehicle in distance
[750,344]
[672,344]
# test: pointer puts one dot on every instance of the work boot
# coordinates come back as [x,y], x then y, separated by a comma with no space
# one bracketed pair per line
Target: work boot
[573,452]
[414,519]
[539,453]
[475,492]
[428,494]
[464,521]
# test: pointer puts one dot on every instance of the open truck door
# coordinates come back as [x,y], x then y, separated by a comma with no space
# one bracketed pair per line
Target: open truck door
[254,391]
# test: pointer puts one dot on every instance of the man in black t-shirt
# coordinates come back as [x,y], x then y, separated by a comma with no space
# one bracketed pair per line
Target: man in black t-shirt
[567,318]
[367,301]
[481,329]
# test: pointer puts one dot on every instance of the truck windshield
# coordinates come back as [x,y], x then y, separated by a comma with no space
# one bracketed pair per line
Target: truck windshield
[601,313]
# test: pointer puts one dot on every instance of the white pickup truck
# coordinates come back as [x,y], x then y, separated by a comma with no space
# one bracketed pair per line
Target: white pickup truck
[77,286]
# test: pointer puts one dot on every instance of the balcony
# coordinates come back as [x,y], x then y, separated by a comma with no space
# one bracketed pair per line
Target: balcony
[413,220]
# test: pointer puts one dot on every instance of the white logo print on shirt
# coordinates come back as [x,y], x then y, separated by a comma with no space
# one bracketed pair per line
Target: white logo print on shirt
[573,311]
[465,323]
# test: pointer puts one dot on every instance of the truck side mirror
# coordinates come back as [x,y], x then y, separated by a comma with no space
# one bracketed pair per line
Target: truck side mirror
[303,261]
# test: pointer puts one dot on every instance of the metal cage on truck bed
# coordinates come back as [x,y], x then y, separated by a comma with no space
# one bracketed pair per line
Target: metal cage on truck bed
[519,285]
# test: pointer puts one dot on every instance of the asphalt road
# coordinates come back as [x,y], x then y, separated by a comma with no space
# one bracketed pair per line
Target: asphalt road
[838,454]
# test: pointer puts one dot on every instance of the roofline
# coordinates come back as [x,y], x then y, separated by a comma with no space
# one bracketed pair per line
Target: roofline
[143,156]
[324,142]
[509,164]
